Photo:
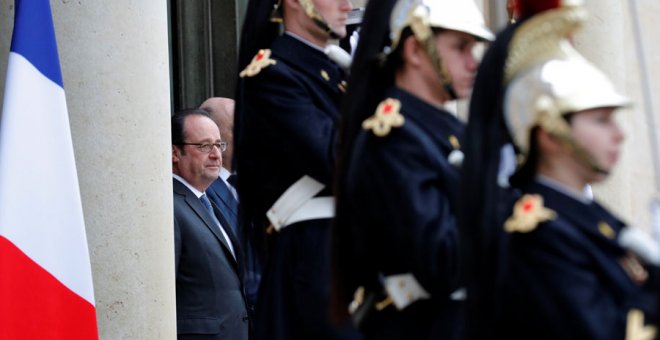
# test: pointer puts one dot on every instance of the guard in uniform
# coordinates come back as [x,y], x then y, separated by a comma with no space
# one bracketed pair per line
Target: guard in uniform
[486,196]
[287,112]
[396,242]
[568,268]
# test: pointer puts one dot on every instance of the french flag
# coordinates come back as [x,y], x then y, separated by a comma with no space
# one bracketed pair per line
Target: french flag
[46,287]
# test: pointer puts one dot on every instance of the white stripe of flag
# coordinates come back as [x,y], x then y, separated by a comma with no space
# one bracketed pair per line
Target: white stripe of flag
[44,259]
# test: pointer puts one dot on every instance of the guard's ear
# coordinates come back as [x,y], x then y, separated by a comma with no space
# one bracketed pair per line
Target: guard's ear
[413,51]
[548,144]
[291,4]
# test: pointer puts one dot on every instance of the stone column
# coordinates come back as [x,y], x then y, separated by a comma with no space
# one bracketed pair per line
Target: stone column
[607,41]
[115,64]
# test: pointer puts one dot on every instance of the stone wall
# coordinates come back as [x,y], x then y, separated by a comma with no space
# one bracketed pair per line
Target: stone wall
[115,65]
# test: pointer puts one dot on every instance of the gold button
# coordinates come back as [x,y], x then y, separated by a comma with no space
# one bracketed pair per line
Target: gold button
[325,75]
[454,142]
[606,230]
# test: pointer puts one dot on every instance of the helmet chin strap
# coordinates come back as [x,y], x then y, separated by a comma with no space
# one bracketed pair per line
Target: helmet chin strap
[583,155]
[324,26]
[439,67]
[314,14]
[449,89]
[424,35]
[560,128]
[552,120]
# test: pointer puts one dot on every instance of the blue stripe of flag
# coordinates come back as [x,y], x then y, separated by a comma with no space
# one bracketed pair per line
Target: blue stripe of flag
[34,37]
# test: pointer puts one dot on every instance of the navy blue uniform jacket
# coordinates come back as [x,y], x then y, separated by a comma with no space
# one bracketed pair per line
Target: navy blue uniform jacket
[290,115]
[563,280]
[402,192]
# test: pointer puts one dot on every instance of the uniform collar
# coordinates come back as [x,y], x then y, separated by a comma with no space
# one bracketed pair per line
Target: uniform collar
[439,123]
[311,60]
[547,181]
[418,108]
[305,41]
[588,216]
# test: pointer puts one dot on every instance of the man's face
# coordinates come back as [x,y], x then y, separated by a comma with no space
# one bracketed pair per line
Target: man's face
[335,13]
[200,169]
[456,49]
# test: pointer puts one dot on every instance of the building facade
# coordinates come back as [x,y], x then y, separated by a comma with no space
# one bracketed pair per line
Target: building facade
[128,64]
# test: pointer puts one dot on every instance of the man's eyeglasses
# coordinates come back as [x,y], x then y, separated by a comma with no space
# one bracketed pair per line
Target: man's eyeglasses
[207,147]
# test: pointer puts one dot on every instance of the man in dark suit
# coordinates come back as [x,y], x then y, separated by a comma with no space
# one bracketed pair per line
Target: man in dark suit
[210,299]
[223,193]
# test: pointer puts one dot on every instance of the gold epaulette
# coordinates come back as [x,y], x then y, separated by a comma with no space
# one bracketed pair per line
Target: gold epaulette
[258,63]
[528,212]
[386,117]
[635,328]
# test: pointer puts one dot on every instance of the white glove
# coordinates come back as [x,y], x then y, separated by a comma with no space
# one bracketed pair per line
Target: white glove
[339,56]
[353,40]
[641,244]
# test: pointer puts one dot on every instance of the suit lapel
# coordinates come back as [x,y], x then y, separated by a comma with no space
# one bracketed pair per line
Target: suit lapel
[196,205]
[230,233]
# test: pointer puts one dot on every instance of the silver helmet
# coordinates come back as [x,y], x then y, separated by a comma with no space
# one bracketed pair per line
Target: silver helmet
[463,16]
[424,15]
[548,79]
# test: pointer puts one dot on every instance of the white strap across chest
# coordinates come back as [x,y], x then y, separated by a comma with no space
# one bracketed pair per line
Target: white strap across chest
[298,204]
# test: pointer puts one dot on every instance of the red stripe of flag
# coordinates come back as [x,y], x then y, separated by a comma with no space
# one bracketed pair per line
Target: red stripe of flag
[35,305]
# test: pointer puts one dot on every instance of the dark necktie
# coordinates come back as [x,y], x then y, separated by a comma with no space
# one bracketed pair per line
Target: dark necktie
[205,201]
[232,180]
[209,208]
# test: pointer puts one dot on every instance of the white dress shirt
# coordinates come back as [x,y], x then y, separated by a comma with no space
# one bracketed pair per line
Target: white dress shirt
[199,194]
